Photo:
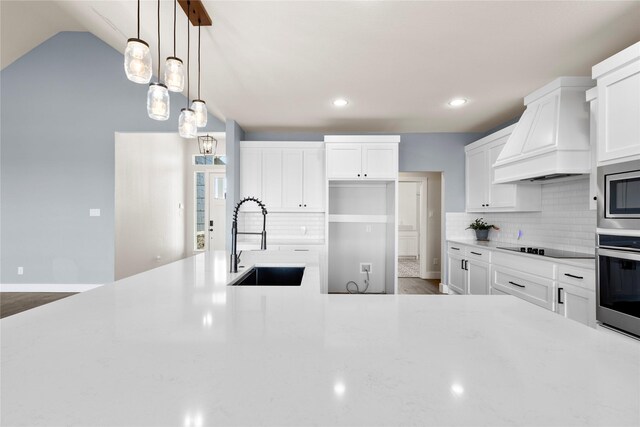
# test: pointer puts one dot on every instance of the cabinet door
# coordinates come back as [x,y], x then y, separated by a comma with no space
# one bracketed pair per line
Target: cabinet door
[479,277]
[292,180]
[476,179]
[313,181]
[250,175]
[457,276]
[344,161]
[272,178]
[618,112]
[379,161]
[576,303]
[500,195]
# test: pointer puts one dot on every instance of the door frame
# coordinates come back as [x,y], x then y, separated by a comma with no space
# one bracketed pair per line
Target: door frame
[208,199]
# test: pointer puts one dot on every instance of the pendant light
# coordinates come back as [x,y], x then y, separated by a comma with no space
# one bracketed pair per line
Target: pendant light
[158,95]
[187,121]
[137,58]
[198,105]
[173,67]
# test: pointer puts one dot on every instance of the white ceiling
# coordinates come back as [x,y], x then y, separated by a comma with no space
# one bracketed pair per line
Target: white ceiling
[277,65]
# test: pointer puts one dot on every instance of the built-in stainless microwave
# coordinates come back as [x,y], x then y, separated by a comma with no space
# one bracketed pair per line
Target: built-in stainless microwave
[619,196]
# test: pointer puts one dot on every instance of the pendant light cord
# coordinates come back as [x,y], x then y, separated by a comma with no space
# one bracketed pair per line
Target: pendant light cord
[199,26]
[158,41]
[138,19]
[188,50]
[175,2]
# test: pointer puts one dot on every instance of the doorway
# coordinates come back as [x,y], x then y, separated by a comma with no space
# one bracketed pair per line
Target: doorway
[419,232]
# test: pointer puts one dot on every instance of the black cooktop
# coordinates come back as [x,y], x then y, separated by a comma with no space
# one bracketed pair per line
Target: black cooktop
[551,253]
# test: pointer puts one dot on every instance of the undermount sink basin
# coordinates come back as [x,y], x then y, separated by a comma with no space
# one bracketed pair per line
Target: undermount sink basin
[272,276]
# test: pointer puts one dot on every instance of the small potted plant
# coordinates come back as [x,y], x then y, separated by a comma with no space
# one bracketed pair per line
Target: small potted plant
[482,229]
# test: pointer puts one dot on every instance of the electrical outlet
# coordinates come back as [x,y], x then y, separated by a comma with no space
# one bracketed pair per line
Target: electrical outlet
[365,266]
[20,271]
[436,261]
[368,228]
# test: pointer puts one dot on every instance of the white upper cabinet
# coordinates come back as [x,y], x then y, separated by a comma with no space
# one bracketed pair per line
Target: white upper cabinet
[619,106]
[482,195]
[344,161]
[351,157]
[286,176]
[592,99]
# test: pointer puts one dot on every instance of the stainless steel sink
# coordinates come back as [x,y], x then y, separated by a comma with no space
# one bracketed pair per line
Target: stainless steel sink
[271,276]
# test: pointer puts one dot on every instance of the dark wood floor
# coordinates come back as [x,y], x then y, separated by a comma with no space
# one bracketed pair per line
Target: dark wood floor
[416,286]
[15,302]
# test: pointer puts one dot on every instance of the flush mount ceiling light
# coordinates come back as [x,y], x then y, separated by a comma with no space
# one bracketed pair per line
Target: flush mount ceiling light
[457,102]
[198,105]
[137,58]
[158,95]
[173,67]
[340,102]
[187,121]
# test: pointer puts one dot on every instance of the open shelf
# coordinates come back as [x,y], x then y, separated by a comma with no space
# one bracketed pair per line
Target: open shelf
[380,219]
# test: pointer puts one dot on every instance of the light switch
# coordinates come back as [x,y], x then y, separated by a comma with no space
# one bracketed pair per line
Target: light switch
[94,212]
[20,271]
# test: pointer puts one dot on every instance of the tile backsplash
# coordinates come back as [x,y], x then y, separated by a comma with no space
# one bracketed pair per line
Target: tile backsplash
[564,223]
[283,226]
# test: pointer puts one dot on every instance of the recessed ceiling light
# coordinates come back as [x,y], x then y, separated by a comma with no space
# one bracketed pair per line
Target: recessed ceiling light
[457,102]
[340,102]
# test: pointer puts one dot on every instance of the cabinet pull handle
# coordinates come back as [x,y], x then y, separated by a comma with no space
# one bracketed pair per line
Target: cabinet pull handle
[515,284]
[476,253]
[466,265]
[575,277]
[560,296]
[455,249]
[300,205]
[305,206]
[365,174]
[461,264]
[358,174]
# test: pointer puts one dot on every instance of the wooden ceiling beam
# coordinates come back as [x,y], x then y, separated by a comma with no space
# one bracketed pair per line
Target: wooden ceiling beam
[198,14]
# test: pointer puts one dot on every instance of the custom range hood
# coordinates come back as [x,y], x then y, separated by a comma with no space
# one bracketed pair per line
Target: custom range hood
[551,139]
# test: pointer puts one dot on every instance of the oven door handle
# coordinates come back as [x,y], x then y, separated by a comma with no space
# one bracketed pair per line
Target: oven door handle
[618,248]
[619,254]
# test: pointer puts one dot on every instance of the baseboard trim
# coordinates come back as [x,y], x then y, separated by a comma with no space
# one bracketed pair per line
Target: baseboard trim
[46,287]
[435,275]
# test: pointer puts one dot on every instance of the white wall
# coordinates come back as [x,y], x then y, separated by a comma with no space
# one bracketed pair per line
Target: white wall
[564,223]
[150,201]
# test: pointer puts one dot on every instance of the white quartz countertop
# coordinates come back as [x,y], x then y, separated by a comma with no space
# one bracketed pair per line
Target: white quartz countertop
[177,346]
[495,246]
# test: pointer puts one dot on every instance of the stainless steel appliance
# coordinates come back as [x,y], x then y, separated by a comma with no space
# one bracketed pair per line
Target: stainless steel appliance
[551,253]
[618,289]
[619,196]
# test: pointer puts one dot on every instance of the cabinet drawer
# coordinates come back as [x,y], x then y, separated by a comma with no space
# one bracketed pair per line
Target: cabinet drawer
[536,290]
[302,248]
[472,252]
[583,277]
[528,264]
[456,249]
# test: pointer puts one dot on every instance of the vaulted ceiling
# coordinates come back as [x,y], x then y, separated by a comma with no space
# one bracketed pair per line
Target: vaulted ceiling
[277,65]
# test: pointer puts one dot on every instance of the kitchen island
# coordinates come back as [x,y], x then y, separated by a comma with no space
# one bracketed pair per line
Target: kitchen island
[177,346]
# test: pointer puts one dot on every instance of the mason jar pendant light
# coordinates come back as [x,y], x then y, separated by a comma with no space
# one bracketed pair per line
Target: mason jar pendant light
[198,105]
[137,58]
[173,67]
[158,95]
[187,121]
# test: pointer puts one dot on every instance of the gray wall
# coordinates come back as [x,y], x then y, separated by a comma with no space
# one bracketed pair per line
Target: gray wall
[235,134]
[60,107]
[419,152]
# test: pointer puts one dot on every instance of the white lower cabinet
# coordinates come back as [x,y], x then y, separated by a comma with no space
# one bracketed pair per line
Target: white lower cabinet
[456,274]
[469,273]
[576,303]
[566,289]
[479,277]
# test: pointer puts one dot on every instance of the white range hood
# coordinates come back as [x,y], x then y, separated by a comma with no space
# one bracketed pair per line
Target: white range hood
[551,139]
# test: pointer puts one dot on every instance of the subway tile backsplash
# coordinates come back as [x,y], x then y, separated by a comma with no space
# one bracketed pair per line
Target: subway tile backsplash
[283,226]
[565,221]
